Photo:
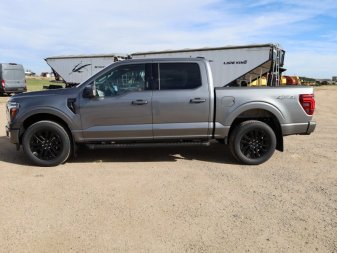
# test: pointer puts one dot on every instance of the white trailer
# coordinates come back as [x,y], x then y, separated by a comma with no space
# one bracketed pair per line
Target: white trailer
[231,66]
[234,65]
[74,69]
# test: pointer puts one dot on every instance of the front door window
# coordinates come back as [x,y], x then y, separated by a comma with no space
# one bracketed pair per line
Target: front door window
[121,80]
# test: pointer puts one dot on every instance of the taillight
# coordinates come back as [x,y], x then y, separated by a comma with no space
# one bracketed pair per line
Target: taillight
[3,83]
[308,103]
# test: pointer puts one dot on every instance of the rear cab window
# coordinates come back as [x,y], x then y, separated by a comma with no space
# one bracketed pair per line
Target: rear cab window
[178,76]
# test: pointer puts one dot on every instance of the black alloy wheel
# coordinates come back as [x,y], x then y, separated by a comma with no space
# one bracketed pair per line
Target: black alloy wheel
[46,143]
[255,143]
[252,142]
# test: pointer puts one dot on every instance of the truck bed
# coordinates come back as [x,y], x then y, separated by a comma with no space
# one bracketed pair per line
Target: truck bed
[282,102]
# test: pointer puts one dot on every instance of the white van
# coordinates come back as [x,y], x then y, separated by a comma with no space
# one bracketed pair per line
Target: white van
[12,78]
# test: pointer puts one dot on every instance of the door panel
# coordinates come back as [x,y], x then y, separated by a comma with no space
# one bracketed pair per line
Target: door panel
[122,109]
[181,105]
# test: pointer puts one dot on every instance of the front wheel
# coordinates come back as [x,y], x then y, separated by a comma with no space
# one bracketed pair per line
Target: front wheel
[252,142]
[46,143]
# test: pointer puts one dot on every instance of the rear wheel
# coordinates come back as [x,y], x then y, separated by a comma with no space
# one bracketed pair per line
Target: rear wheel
[252,142]
[46,143]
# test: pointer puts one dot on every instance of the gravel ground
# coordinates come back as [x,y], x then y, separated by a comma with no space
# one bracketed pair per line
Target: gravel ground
[194,199]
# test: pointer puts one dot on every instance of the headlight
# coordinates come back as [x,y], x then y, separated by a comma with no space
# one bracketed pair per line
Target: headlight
[12,110]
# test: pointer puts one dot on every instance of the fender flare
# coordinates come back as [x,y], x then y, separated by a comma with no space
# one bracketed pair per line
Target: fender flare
[47,110]
[255,105]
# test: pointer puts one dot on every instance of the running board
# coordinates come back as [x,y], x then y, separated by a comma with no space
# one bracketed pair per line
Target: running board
[145,145]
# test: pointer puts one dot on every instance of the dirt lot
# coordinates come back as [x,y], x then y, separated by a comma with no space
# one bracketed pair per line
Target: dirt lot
[175,199]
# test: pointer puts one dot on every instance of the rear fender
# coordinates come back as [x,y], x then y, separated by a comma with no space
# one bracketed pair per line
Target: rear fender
[260,106]
[251,106]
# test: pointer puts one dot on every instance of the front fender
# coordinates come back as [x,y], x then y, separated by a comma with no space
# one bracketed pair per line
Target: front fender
[72,120]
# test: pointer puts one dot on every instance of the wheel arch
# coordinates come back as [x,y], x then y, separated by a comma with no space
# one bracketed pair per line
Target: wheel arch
[262,115]
[42,117]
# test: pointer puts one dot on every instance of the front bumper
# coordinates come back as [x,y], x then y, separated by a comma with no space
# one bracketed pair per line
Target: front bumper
[13,135]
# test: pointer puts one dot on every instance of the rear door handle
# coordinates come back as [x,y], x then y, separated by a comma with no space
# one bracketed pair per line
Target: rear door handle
[197,100]
[139,102]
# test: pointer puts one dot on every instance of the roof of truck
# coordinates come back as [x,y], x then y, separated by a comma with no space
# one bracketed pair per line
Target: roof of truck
[168,59]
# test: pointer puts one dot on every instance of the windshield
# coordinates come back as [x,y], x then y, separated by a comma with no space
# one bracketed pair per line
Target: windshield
[95,75]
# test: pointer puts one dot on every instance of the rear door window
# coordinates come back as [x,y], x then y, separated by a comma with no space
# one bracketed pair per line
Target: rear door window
[179,76]
[13,74]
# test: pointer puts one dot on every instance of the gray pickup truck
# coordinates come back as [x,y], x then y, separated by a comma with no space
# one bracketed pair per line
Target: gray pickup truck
[154,102]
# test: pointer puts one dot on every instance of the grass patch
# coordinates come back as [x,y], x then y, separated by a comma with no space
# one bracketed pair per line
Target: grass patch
[36,84]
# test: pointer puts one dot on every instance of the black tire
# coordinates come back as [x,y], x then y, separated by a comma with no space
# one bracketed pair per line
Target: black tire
[46,143]
[252,142]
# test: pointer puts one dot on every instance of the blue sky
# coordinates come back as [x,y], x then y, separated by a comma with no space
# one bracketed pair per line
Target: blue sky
[33,30]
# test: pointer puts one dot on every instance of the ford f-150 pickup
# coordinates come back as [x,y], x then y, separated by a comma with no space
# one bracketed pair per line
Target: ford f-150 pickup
[157,102]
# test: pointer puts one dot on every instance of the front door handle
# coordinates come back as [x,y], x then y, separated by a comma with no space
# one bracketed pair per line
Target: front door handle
[139,102]
[197,100]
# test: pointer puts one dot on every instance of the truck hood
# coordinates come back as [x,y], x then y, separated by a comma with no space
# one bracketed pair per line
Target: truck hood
[53,92]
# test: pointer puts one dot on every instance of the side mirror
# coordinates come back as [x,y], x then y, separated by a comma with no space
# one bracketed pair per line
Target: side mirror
[90,91]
